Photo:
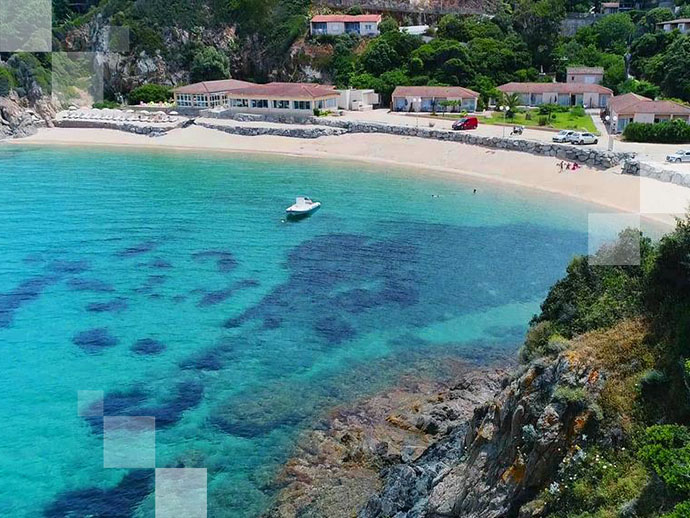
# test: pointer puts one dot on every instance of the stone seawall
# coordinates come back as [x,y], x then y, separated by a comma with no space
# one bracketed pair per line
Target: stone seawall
[592,157]
[120,126]
[309,132]
[656,171]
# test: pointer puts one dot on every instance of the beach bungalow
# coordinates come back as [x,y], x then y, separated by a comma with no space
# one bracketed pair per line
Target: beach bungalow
[682,24]
[336,24]
[587,75]
[431,98]
[271,99]
[207,94]
[631,107]
[564,94]
[358,100]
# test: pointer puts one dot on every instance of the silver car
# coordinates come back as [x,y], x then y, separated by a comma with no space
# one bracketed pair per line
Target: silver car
[682,155]
[584,138]
[563,136]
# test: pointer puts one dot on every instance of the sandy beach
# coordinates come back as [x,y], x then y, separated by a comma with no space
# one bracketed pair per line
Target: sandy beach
[650,198]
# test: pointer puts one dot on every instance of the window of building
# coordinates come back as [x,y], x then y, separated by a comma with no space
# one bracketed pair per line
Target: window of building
[201,101]
[218,99]
[184,100]
[239,103]
[281,105]
[259,103]
[302,105]
[319,27]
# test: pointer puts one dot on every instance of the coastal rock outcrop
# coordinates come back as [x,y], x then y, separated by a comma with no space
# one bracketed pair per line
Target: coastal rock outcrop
[15,121]
[337,467]
[500,459]
[657,171]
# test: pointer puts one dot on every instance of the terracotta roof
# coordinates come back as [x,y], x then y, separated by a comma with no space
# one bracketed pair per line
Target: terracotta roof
[585,70]
[679,20]
[621,102]
[207,87]
[287,91]
[321,18]
[630,104]
[559,88]
[434,91]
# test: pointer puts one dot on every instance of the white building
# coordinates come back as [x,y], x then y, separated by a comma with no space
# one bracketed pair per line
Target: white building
[631,107]
[682,24]
[587,75]
[358,100]
[336,24]
[434,99]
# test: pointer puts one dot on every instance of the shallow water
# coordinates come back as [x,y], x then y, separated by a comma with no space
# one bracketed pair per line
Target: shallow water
[172,283]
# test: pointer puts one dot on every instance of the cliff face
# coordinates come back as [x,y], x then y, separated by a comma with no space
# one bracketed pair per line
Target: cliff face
[510,450]
[18,118]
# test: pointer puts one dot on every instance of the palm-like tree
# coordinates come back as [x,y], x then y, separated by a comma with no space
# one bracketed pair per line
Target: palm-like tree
[512,101]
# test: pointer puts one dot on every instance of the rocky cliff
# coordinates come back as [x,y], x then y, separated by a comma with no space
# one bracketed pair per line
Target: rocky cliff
[495,464]
[21,118]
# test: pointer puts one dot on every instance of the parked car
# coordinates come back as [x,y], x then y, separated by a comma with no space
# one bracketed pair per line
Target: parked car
[682,155]
[466,123]
[563,136]
[583,138]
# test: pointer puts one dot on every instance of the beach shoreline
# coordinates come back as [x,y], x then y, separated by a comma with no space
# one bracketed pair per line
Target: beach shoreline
[652,200]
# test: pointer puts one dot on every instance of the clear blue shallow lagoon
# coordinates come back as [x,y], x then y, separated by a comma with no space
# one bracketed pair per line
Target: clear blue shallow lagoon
[171,283]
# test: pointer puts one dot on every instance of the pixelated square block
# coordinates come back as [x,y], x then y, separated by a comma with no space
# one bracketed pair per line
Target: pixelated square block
[129,442]
[26,25]
[118,39]
[89,403]
[77,78]
[181,492]
[614,239]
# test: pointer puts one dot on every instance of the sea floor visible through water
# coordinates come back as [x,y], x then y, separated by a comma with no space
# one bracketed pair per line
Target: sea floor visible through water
[172,283]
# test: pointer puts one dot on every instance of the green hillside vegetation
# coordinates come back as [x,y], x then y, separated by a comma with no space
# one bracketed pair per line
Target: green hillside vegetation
[632,323]
[520,43]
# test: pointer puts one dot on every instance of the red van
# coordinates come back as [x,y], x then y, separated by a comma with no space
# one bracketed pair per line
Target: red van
[466,123]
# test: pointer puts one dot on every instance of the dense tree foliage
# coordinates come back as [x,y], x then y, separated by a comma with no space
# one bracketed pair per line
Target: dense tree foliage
[634,323]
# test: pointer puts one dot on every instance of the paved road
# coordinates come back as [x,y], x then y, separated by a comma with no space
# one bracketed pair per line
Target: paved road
[653,152]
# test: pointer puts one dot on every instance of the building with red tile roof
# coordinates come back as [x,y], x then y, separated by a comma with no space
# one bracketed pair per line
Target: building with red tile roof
[631,107]
[431,98]
[564,94]
[242,96]
[336,24]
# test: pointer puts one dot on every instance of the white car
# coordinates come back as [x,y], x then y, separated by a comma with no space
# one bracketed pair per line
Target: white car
[563,136]
[682,155]
[584,138]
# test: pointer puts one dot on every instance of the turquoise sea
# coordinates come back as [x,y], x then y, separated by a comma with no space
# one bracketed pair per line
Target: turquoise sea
[171,282]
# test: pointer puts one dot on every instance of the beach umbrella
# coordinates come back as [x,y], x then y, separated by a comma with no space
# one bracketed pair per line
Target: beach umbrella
[144,112]
[174,113]
[72,108]
[130,111]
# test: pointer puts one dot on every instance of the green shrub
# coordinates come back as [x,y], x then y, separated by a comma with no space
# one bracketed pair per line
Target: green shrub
[666,449]
[573,396]
[668,132]
[577,111]
[7,81]
[150,93]
[682,510]
[106,104]
[543,120]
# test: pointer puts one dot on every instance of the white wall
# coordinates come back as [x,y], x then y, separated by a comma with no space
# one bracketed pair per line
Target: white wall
[644,117]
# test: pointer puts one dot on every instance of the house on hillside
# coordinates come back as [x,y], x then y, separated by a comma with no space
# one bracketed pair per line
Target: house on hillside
[682,24]
[336,24]
[564,94]
[631,107]
[431,98]
[587,75]
[610,7]
[293,99]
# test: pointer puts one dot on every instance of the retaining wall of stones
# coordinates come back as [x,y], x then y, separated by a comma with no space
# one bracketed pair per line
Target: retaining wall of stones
[309,132]
[120,126]
[656,171]
[590,156]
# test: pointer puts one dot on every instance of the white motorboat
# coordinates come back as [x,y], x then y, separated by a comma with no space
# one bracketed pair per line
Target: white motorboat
[303,207]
